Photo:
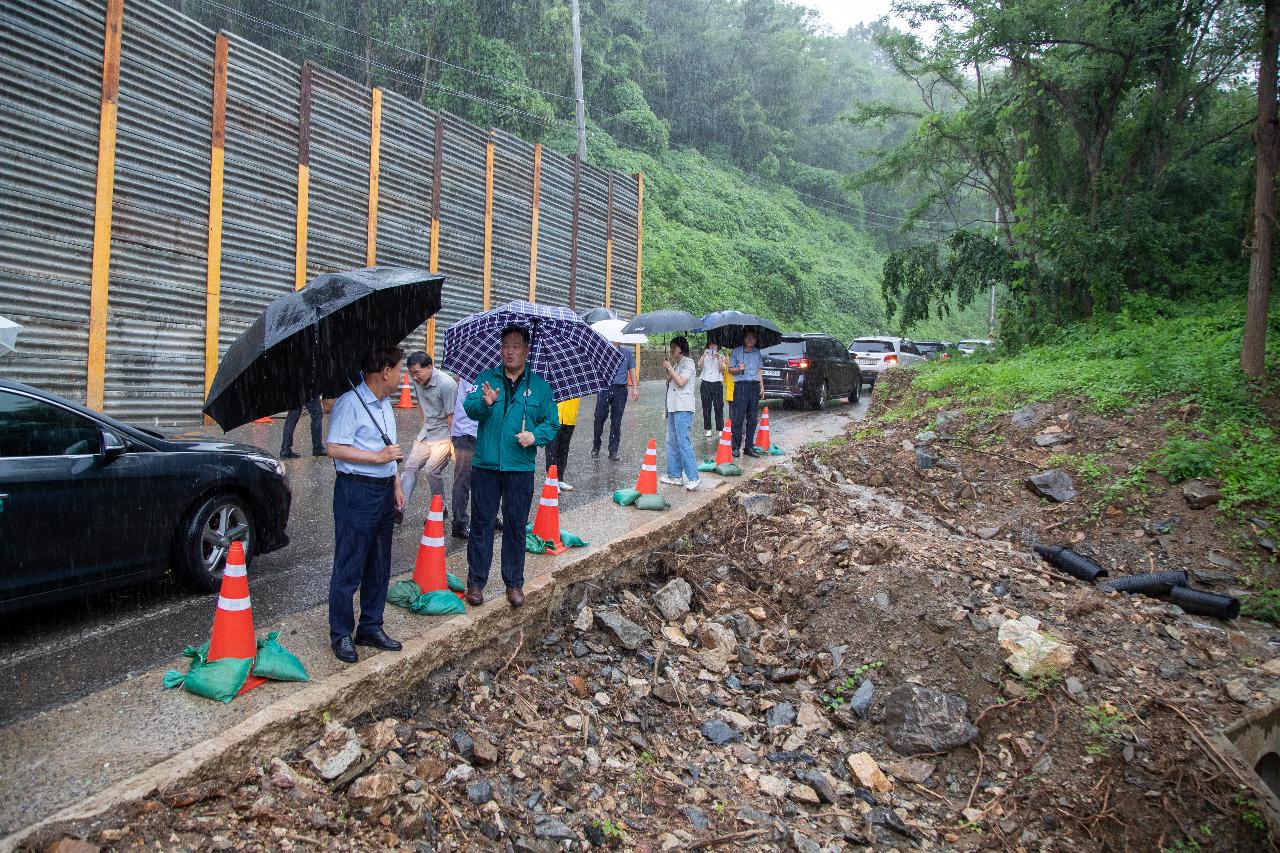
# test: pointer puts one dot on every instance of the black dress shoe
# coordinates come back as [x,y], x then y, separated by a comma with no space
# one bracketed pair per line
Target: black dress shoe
[737,453]
[613,457]
[461,531]
[289,454]
[595,453]
[344,651]
[320,452]
[753,453]
[379,640]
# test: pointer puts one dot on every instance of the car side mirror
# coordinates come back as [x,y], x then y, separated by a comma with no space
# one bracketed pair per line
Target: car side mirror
[112,446]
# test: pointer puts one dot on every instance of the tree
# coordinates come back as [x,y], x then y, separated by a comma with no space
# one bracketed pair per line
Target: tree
[1266,141]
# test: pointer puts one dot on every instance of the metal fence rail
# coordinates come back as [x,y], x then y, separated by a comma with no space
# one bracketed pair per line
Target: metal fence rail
[198,216]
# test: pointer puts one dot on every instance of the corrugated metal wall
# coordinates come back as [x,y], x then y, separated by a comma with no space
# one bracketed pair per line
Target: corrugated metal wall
[50,83]
[160,217]
[259,203]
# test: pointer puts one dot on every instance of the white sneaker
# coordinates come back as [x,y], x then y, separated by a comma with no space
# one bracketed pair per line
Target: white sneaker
[670,481]
[710,433]
[565,487]
[692,485]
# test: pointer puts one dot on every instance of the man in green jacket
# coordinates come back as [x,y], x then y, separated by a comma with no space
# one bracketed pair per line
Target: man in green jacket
[515,412]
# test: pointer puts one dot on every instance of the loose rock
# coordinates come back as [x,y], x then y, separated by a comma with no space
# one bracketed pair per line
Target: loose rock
[673,599]
[623,631]
[920,720]
[1054,484]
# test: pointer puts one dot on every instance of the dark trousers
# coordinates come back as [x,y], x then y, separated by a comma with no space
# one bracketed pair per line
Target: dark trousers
[558,450]
[464,448]
[610,404]
[362,524]
[514,489]
[744,411]
[291,423]
[712,400]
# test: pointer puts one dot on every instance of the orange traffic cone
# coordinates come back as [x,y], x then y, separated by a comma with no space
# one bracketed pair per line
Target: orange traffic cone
[233,620]
[647,482]
[724,453]
[762,432]
[428,569]
[406,401]
[546,524]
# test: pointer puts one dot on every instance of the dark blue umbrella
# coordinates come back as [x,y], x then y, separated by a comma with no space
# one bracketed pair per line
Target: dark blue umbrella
[727,328]
[575,359]
[595,315]
[309,342]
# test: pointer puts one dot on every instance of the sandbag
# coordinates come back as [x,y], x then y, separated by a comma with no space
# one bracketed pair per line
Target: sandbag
[572,540]
[438,603]
[729,469]
[707,465]
[775,450]
[534,544]
[653,502]
[219,680]
[276,662]
[625,497]
[454,582]
[403,593]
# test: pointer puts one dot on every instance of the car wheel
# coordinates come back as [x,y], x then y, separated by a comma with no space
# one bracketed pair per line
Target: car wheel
[824,395]
[206,536]
[788,403]
[856,393]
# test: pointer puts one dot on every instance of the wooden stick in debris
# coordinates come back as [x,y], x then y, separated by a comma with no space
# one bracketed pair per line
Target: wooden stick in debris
[725,839]
[359,768]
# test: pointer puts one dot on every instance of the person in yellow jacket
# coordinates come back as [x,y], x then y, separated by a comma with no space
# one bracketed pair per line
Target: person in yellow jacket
[558,450]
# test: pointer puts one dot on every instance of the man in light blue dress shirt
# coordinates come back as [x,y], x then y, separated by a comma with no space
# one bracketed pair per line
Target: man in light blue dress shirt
[366,497]
[745,363]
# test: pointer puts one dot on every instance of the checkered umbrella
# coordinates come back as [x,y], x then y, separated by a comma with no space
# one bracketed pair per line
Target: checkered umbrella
[576,360]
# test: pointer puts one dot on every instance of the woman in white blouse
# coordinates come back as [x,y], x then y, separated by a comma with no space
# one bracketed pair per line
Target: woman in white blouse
[682,468]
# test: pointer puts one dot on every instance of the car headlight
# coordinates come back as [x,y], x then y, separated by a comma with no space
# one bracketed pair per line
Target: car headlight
[268,463]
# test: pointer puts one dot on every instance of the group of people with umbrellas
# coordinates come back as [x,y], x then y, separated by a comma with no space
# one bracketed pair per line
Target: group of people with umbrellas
[519,365]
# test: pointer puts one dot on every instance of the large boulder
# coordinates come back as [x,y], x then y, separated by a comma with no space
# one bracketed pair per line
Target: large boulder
[1054,484]
[920,720]
[622,630]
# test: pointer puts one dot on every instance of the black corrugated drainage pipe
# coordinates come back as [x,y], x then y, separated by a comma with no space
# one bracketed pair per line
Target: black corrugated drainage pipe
[1155,584]
[1076,565]
[1205,603]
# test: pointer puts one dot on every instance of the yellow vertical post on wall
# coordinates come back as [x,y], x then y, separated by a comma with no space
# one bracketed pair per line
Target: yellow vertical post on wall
[488,220]
[433,258]
[608,243]
[533,227]
[96,380]
[639,246]
[304,178]
[213,274]
[375,156]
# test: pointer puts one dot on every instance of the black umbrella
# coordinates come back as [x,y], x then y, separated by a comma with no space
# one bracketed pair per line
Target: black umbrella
[595,315]
[662,322]
[310,341]
[727,328]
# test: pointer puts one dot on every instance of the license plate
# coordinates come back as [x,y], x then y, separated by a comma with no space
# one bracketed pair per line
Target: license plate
[770,373]
[866,361]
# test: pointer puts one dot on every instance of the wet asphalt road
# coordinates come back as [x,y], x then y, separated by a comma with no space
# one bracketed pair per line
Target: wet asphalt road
[57,654]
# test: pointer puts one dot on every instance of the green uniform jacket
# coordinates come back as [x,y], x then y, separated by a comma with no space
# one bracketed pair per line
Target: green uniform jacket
[497,425]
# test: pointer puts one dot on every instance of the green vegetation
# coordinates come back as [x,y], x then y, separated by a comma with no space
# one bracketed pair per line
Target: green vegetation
[1103,722]
[1035,686]
[849,685]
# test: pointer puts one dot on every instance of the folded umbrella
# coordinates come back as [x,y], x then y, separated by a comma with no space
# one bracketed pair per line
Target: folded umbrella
[612,331]
[8,335]
[310,342]
[663,322]
[574,358]
[727,328]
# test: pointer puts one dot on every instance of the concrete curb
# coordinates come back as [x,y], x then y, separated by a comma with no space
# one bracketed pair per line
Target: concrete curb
[297,719]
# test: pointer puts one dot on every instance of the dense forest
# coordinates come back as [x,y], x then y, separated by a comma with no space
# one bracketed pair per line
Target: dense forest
[1075,156]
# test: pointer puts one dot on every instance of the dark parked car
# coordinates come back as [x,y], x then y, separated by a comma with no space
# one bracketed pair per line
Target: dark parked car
[88,502]
[810,368]
[935,350]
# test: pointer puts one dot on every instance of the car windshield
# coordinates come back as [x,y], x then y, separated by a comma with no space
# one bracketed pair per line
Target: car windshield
[871,346]
[788,347]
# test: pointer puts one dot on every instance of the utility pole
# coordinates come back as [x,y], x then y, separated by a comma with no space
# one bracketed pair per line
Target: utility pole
[580,106]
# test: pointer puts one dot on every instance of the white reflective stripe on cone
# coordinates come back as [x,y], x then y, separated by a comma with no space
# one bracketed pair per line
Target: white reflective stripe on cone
[555,483]
[433,541]
[233,603]
[435,516]
[649,467]
[548,502]
[233,571]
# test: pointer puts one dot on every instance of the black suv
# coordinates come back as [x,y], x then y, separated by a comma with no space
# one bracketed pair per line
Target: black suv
[810,367]
[88,502]
[935,350]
